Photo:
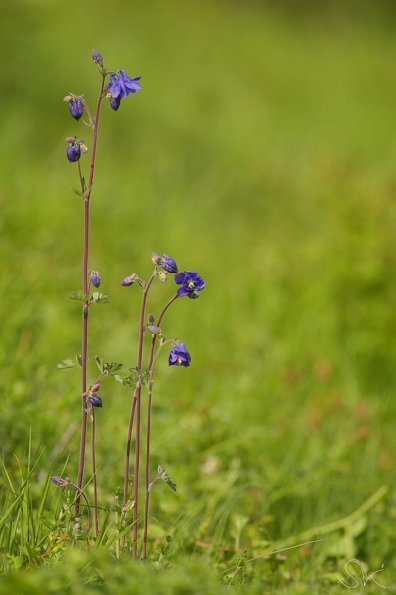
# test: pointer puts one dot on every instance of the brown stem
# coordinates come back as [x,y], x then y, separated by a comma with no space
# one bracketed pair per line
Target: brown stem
[151,368]
[84,354]
[137,396]
[95,483]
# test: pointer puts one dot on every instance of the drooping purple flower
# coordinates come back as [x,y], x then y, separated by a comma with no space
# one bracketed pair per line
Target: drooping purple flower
[121,85]
[96,57]
[73,151]
[57,480]
[95,279]
[115,103]
[179,356]
[168,264]
[191,282]
[76,108]
[95,401]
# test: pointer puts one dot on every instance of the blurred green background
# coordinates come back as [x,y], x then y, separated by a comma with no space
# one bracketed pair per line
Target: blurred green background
[262,154]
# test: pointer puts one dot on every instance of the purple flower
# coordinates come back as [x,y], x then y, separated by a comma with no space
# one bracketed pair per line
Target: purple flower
[95,278]
[191,282]
[179,356]
[96,57]
[76,108]
[168,264]
[121,85]
[56,479]
[115,103]
[95,401]
[73,151]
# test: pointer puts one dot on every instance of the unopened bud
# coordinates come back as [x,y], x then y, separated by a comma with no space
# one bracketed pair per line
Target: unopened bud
[154,330]
[94,277]
[156,258]
[95,401]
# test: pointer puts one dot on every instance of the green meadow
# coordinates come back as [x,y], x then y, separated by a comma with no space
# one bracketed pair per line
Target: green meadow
[262,154]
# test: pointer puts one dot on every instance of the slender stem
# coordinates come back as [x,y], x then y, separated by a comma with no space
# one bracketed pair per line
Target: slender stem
[151,368]
[154,339]
[95,483]
[128,450]
[84,354]
[147,478]
[137,397]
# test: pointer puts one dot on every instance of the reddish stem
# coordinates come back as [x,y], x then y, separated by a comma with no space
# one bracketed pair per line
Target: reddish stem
[151,368]
[84,354]
[95,484]
[137,397]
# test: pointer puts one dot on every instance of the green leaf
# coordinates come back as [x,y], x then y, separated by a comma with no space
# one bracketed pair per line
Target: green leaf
[76,295]
[99,298]
[162,474]
[67,363]
[99,363]
[111,367]
[70,363]
[77,192]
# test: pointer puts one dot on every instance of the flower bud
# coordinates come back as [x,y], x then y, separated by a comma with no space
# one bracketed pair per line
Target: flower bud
[156,258]
[94,277]
[168,264]
[154,330]
[96,57]
[115,103]
[95,401]
[95,387]
[73,152]
[57,480]
[76,108]
[129,280]
[150,319]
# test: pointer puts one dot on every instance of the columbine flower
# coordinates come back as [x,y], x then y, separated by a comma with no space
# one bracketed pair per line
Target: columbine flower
[179,356]
[120,86]
[95,401]
[191,282]
[73,151]
[96,57]
[76,108]
[95,278]
[168,264]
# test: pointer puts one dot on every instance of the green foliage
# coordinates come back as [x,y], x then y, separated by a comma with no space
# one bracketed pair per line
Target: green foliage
[261,152]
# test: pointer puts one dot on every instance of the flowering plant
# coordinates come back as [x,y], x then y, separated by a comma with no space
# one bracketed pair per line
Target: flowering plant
[114,87]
